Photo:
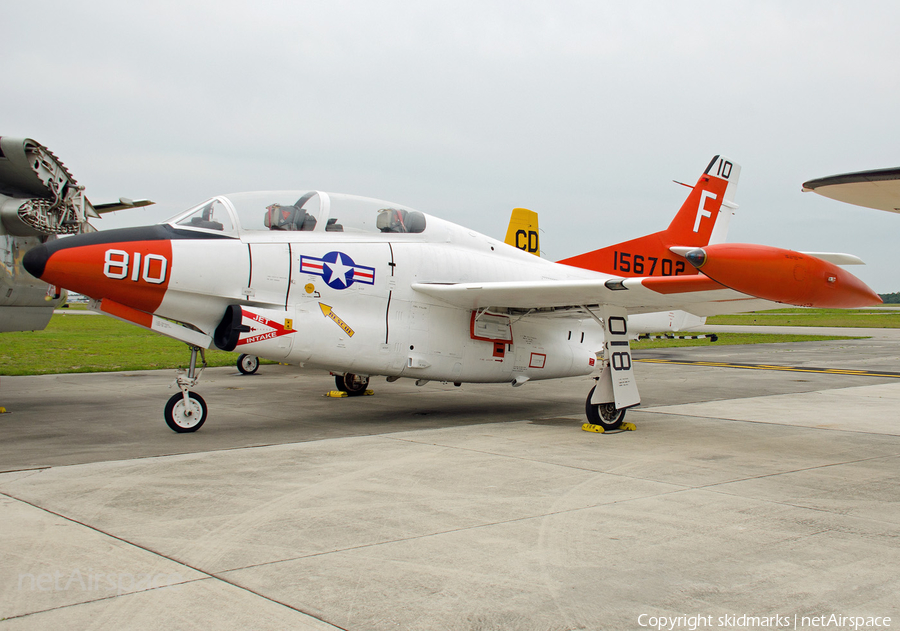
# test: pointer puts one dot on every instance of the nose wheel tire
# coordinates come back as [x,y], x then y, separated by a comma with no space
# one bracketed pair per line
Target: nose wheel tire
[248,364]
[606,415]
[183,418]
[353,385]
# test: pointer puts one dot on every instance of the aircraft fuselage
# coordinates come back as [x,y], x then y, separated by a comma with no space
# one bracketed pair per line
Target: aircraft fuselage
[340,301]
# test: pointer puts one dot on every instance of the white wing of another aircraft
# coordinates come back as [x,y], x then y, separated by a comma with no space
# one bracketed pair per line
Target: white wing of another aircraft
[878,189]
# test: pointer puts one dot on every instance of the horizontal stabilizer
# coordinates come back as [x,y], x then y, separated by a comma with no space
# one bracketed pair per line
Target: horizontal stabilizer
[837,258]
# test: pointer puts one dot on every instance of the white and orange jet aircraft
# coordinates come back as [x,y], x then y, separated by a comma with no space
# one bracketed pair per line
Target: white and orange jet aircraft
[362,287]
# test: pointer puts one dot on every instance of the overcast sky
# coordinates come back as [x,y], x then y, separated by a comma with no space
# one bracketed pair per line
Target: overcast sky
[582,111]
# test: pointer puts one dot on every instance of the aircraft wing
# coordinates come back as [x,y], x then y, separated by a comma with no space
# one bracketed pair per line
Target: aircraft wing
[123,204]
[695,294]
[878,189]
[734,277]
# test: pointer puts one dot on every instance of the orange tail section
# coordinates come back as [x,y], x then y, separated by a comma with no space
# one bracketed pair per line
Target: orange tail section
[703,219]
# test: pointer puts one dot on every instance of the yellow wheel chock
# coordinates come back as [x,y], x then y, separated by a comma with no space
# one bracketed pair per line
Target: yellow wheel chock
[338,394]
[625,427]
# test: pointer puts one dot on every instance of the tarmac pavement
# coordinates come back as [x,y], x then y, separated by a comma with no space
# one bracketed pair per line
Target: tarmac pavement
[743,492]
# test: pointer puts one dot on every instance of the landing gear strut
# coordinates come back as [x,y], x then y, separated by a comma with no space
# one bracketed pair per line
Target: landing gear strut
[186,411]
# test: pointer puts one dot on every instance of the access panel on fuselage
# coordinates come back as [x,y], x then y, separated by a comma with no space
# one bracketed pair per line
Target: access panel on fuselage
[340,291]
[270,271]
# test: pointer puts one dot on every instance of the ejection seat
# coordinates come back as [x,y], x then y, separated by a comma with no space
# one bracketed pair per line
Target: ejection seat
[398,220]
[288,218]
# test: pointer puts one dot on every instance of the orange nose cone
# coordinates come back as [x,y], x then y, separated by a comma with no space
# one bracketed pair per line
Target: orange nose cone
[131,266]
[785,276]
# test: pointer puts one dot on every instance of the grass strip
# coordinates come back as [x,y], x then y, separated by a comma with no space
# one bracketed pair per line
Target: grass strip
[738,338]
[862,318]
[94,343]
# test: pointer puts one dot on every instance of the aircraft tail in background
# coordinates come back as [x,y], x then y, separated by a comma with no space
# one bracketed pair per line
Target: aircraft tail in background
[523,231]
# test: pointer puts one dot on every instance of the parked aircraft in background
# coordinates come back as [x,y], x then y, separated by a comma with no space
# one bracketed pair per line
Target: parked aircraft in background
[362,287]
[39,201]
[523,231]
[879,189]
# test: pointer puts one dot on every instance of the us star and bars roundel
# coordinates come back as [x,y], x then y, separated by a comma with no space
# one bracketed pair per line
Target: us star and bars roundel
[338,270]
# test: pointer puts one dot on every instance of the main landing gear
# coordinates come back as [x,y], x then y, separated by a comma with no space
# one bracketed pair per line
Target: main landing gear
[353,385]
[186,411]
[248,364]
[604,415]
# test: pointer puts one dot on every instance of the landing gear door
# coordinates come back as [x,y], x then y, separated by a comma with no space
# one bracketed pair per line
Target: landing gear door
[617,378]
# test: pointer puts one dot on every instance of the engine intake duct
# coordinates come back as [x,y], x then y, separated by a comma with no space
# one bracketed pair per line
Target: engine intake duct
[229,331]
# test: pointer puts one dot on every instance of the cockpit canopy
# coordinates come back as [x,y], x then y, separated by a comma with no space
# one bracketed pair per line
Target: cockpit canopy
[306,211]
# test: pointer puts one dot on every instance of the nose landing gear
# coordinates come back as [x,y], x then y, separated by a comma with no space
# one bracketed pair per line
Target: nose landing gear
[186,411]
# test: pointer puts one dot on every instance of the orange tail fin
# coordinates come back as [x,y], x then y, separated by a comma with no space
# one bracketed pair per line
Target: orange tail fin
[702,219]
